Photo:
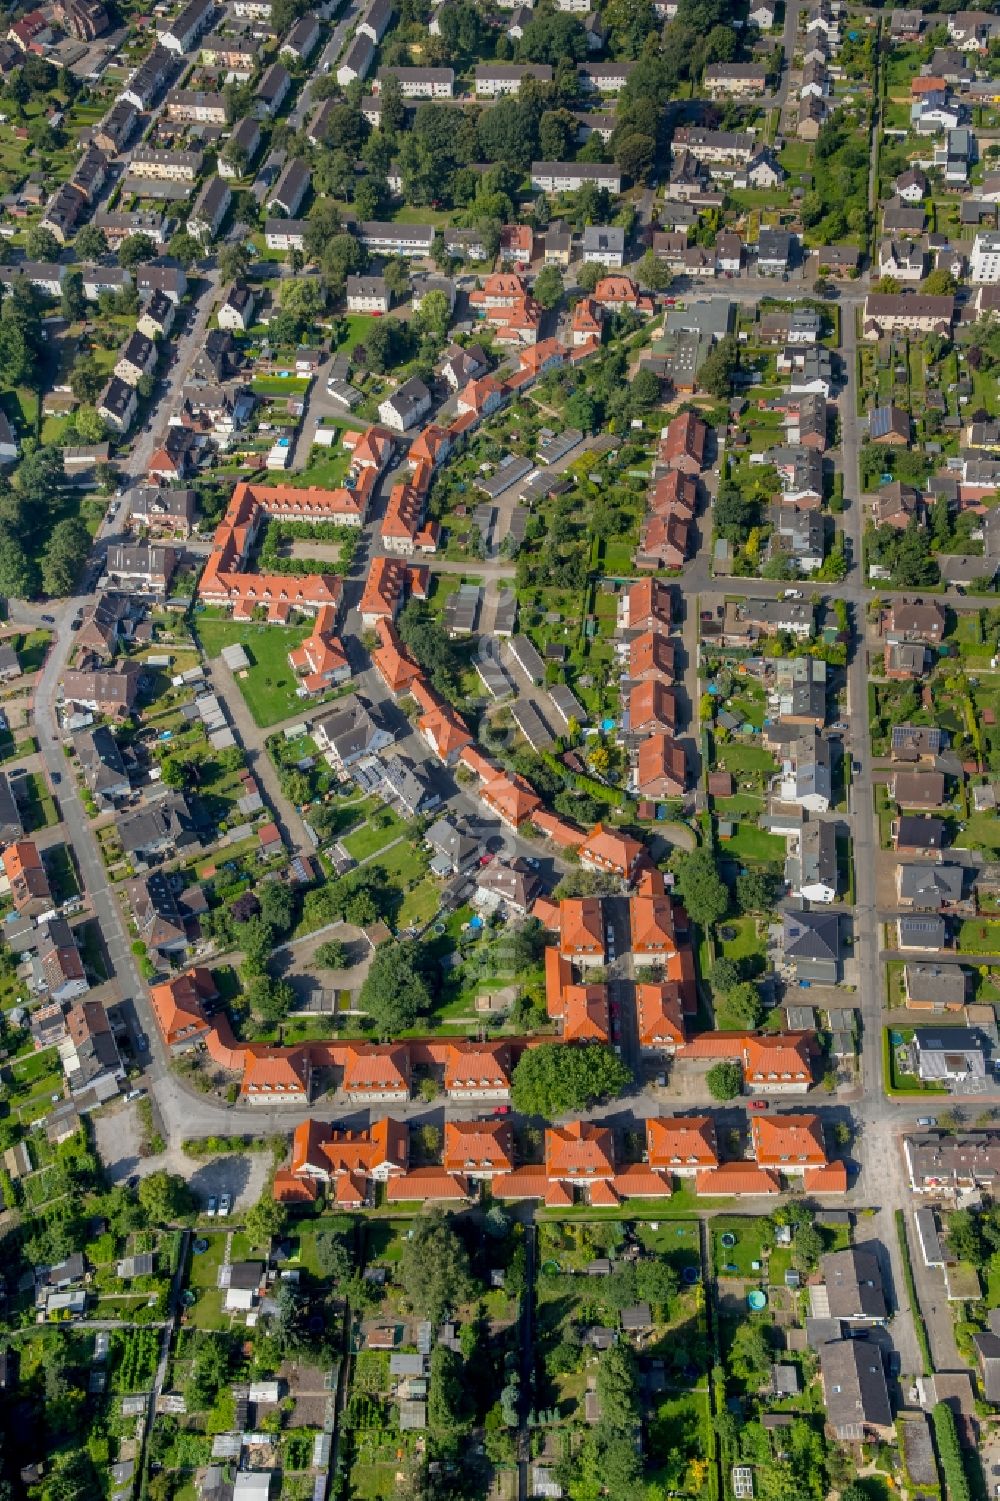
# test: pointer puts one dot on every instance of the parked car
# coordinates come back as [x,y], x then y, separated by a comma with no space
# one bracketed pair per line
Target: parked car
[926,1120]
[212,1207]
[759,1104]
[225,1204]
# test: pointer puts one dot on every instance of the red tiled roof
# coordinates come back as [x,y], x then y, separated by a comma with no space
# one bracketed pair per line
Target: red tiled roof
[374,1066]
[736,1178]
[611,850]
[776,1055]
[650,704]
[686,435]
[425,1183]
[682,1141]
[652,652]
[395,667]
[661,758]
[511,797]
[485,1065]
[640,1182]
[649,604]
[581,925]
[522,1183]
[795,1139]
[472,1145]
[831,1179]
[288,1189]
[177,1006]
[654,929]
[557,829]
[581,1150]
[660,1015]
[279,1071]
[586,1016]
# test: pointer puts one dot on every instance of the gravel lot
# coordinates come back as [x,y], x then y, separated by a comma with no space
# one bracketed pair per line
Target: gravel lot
[240,1174]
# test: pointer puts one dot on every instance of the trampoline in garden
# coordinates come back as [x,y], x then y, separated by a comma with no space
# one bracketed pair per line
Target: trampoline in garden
[728,1239]
[690,1275]
[550,1268]
[200,1247]
[757,1300]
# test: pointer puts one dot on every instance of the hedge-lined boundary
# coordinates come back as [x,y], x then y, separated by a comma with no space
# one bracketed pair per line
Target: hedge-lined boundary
[911,1291]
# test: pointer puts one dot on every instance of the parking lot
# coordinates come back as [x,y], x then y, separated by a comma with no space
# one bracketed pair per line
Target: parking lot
[118,1134]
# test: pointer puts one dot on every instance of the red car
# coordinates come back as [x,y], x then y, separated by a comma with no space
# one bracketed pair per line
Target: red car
[759,1104]
[502,1110]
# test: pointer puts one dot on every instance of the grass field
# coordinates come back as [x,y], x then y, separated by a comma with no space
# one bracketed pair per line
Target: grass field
[373,836]
[750,1234]
[419,905]
[750,843]
[269,684]
[982,830]
[978,937]
[39,809]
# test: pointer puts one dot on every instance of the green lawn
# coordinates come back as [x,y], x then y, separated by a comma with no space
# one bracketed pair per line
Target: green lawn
[359,326]
[750,843]
[419,905]
[61,873]
[325,472]
[276,385]
[31,648]
[404,862]
[982,830]
[753,761]
[39,809]
[269,684]
[34,1080]
[751,1234]
[745,942]
[978,937]
[373,836]
[680,1432]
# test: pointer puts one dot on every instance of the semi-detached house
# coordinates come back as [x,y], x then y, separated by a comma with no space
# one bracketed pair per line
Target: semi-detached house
[604,78]
[175,166]
[907,312]
[195,107]
[272,91]
[569,177]
[357,61]
[210,208]
[117,404]
[292,187]
[419,83]
[237,57]
[494,80]
[381,238]
[180,34]
[285,234]
[138,358]
[303,39]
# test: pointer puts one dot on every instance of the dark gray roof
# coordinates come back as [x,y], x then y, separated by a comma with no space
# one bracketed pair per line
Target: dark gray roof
[811,935]
[854,1387]
[854,1283]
